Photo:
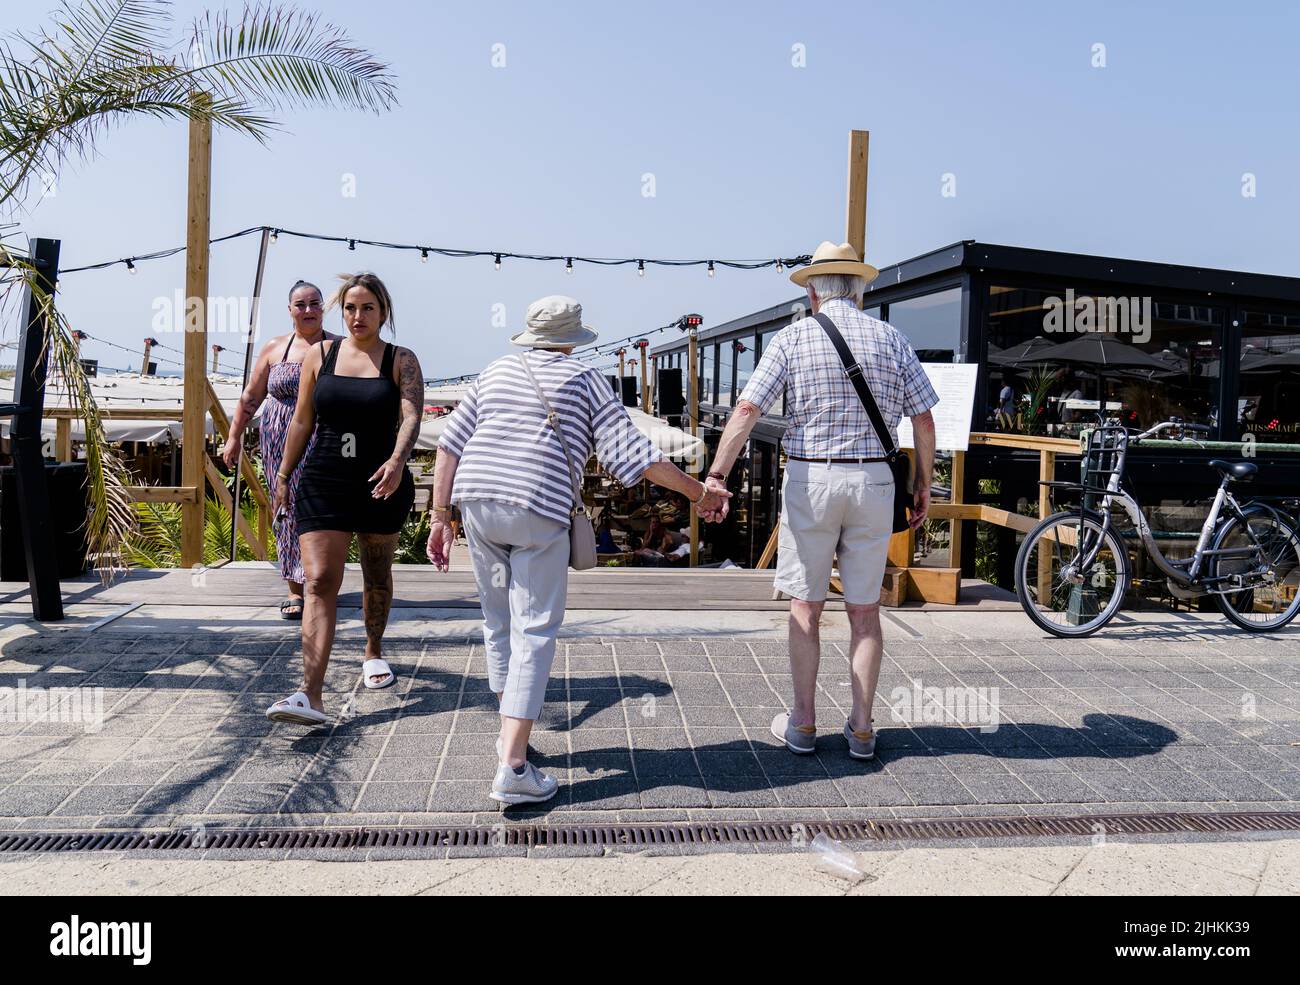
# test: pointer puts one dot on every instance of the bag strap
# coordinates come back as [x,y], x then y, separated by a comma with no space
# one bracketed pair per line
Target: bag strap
[854,372]
[554,422]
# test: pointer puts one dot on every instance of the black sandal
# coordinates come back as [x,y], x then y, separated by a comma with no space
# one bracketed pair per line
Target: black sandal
[294,604]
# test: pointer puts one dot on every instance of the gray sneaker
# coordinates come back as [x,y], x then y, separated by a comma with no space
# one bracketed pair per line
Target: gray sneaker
[800,739]
[862,745]
[532,787]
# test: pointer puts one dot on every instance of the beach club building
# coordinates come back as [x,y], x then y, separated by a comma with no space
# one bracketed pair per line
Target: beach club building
[1053,335]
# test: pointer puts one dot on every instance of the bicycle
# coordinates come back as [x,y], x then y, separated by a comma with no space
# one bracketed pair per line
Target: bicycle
[1072,570]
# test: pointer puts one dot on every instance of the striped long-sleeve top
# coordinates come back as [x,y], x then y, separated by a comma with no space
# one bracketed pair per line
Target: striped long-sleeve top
[507,449]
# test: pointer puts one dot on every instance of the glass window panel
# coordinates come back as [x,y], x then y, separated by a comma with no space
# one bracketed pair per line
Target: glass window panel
[726,360]
[745,363]
[932,323]
[1154,359]
[1268,395]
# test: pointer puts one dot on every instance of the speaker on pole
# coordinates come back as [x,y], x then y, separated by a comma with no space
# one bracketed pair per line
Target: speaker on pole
[629,391]
[668,392]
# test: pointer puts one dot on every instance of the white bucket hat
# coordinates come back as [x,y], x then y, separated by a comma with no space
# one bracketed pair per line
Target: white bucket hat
[554,322]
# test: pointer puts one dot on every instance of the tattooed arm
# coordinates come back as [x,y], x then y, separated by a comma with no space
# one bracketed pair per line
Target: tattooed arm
[410,382]
[249,401]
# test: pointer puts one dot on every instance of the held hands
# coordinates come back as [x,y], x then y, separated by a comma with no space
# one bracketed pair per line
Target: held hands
[920,506]
[715,506]
[387,478]
[438,548]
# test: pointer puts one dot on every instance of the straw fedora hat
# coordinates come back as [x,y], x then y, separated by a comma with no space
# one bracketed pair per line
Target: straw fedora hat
[832,259]
[554,322]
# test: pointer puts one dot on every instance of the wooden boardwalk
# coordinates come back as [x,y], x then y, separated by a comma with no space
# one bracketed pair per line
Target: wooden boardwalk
[420,586]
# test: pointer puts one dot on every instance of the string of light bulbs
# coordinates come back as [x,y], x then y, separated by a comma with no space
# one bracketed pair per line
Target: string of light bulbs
[425,251]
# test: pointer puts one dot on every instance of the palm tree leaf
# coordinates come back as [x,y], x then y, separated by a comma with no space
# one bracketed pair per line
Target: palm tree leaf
[280,57]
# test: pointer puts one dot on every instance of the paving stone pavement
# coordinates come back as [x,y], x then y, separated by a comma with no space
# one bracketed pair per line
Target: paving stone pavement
[648,728]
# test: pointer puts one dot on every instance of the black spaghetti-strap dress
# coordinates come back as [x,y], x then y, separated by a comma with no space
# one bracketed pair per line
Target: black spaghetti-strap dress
[356,431]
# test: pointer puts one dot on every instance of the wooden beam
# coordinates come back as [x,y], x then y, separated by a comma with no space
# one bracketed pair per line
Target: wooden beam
[221,424]
[218,483]
[163,494]
[645,389]
[855,224]
[1031,441]
[118,413]
[956,529]
[193,431]
[942,585]
[63,439]
[769,551]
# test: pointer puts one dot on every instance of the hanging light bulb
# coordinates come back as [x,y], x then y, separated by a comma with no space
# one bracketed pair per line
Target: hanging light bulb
[780,267]
[496,263]
[568,266]
[710,268]
[130,267]
[275,236]
[352,244]
[640,268]
[424,256]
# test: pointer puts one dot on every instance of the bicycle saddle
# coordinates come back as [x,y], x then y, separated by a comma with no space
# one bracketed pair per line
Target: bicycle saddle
[1237,471]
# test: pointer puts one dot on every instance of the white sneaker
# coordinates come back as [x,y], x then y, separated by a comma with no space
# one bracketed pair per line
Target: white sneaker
[531,787]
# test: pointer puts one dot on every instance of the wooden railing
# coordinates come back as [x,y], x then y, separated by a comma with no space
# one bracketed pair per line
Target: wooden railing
[193,495]
[958,512]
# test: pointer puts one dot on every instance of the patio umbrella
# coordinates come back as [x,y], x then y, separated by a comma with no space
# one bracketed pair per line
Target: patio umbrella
[1270,362]
[1103,354]
[1021,354]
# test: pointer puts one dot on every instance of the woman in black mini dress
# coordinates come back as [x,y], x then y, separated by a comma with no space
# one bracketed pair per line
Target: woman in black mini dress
[363,397]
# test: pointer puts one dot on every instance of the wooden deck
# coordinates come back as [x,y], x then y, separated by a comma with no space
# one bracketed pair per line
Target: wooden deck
[419,586]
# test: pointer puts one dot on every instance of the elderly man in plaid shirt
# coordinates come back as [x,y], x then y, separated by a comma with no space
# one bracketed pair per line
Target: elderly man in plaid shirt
[837,496]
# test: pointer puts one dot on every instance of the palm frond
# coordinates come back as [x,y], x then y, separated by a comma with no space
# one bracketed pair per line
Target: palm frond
[104,61]
[280,57]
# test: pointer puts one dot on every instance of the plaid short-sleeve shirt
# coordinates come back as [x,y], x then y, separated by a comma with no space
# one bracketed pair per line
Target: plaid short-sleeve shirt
[826,418]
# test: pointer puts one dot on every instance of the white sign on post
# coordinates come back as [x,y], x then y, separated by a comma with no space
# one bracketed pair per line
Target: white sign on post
[955,385]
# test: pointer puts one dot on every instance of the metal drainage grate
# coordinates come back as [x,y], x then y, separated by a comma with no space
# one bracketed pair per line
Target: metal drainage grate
[649,835]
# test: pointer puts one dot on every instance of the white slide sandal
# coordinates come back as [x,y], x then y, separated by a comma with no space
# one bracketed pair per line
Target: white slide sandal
[378,667]
[297,710]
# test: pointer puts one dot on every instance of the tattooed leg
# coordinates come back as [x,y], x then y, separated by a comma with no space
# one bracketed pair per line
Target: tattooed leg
[376,554]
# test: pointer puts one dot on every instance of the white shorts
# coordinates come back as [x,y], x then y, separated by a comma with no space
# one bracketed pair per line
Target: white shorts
[829,511]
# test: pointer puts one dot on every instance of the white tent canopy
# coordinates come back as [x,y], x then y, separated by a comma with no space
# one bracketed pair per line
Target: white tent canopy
[126,390]
[121,391]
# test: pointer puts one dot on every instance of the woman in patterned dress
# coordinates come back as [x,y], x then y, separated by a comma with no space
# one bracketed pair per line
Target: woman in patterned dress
[276,376]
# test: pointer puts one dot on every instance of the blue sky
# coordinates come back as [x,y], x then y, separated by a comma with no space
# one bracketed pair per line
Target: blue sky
[1143,158]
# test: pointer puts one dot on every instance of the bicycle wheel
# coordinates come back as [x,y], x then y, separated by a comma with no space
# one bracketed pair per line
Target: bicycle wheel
[1266,607]
[1056,593]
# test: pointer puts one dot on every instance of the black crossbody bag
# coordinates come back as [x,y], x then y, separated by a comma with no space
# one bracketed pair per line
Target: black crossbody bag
[899,463]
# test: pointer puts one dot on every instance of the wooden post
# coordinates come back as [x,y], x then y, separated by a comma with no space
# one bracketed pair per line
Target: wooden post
[855,226]
[144,366]
[645,392]
[622,370]
[215,350]
[957,526]
[193,430]
[650,391]
[1046,473]
[63,439]
[693,408]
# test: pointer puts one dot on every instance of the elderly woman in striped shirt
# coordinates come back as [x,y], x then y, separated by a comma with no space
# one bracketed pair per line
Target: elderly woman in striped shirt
[503,463]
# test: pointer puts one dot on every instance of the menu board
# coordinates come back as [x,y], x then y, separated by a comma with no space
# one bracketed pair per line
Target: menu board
[955,385]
